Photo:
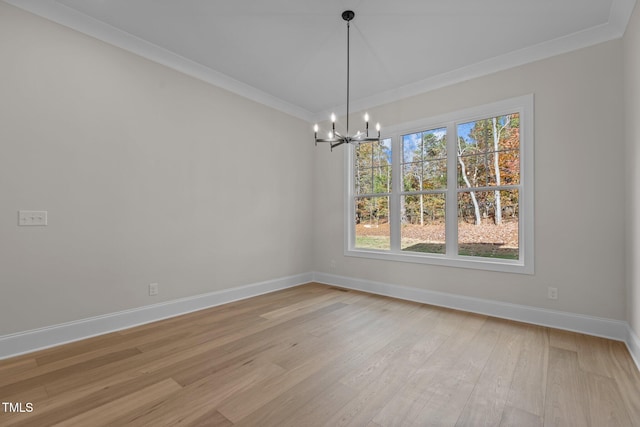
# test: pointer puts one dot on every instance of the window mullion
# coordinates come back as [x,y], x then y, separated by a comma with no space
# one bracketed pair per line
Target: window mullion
[451,213]
[396,188]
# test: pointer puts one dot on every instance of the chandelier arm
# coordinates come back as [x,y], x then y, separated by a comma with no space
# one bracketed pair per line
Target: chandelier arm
[337,144]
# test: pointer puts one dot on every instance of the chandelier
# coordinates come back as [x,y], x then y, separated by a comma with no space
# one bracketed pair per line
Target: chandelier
[334,138]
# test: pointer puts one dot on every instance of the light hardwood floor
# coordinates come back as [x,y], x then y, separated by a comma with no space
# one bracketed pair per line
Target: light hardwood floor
[317,355]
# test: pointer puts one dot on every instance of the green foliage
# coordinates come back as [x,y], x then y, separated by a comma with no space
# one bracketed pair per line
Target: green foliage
[373,176]
[429,248]
[373,242]
[373,167]
[424,169]
[488,250]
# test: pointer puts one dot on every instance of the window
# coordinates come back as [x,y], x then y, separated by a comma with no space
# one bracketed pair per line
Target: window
[372,192]
[454,190]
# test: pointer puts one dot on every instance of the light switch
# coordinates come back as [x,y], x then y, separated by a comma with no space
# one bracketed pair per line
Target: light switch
[32,218]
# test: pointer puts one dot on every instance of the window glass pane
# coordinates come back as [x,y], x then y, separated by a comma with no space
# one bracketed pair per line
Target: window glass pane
[434,174]
[423,223]
[411,176]
[488,224]
[424,160]
[510,132]
[480,169]
[382,152]
[363,156]
[382,179]
[488,151]
[364,181]
[434,143]
[509,162]
[477,169]
[411,144]
[372,223]
[372,167]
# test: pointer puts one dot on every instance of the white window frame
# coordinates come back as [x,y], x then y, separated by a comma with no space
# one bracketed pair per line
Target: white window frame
[525,264]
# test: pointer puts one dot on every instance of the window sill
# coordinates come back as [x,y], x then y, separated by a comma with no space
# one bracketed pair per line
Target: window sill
[477,263]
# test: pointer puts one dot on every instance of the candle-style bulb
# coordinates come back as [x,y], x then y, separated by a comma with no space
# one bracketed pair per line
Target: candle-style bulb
[378,127]
[333,117]
[366,117]
[315,128]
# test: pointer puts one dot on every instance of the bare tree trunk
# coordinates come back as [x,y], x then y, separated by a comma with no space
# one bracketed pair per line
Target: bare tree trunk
[421,204]
[463,170]
[496,166]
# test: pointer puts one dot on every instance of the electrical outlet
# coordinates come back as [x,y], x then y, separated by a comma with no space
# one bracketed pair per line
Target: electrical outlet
[153,289]
[552,293]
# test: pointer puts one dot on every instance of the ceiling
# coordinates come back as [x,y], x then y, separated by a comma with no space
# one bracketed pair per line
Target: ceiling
[291,54]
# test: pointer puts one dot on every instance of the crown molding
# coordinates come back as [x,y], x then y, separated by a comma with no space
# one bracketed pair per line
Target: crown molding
[52,10]
[620,13]
[71,18]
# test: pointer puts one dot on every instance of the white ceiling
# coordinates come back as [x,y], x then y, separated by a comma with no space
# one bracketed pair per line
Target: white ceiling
[291,54]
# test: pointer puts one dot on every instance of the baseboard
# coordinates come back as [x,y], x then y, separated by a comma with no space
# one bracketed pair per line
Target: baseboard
[601,327]
[51,336]
[38,339]
[633,344]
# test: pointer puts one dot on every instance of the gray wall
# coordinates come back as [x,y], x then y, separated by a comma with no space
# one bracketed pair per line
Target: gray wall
[147,175]
[579,192]
[632,128]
